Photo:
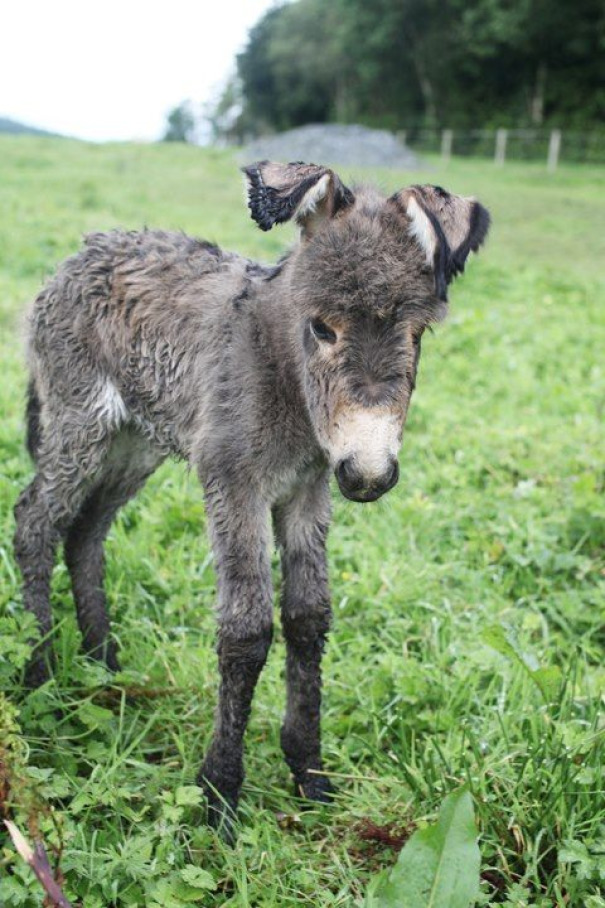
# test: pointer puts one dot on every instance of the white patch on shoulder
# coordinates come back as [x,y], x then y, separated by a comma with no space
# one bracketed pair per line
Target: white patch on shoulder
[422,229]
[311,199]
[371,436]
[111,403]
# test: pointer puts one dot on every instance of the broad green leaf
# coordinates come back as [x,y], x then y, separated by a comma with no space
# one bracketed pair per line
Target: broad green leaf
[505,643]
[184,887]
[197,877]
[575,852]
[547,679]
[188,795]
[439,865]
[12,892]
[94,716]
[163,895]
[189,894]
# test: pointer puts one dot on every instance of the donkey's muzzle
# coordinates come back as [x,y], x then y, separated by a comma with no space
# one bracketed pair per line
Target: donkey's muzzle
[356,486]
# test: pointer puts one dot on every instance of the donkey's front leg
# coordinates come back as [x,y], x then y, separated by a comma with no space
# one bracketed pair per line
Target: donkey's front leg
[301,526]
[239,532]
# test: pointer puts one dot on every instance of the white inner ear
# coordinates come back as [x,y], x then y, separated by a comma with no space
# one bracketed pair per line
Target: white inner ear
[309,202]
[422,229]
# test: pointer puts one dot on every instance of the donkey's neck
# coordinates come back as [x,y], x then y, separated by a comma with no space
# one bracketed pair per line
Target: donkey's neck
[280,363]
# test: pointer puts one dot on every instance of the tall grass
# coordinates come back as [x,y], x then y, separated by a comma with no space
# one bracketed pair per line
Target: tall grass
[469,607]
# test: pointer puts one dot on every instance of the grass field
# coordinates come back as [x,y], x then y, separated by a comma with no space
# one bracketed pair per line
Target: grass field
[469,604]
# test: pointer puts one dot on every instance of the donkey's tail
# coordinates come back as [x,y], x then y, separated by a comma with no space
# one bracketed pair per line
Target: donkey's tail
[33,436]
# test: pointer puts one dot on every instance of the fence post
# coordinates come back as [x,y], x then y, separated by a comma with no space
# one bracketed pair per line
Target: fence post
[501,139]
[447,138]
[554,147]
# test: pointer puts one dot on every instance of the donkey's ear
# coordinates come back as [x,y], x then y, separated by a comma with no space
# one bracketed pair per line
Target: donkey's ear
[308,193]
[447,227]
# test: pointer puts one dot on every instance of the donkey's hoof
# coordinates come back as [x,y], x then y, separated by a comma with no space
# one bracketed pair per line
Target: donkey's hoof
[222,806]
[37,672]
[106,652]
[222,815]
[110,658]
[112,662]
[315,788]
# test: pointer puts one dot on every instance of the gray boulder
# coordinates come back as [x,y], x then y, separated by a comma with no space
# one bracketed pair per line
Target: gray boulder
[333,143]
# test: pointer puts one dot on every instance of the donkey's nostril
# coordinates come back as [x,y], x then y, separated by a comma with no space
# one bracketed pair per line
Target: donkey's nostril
[393,477]
[348,477]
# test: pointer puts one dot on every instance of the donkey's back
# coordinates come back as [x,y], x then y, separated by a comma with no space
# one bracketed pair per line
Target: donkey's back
[126,327]
[122,286]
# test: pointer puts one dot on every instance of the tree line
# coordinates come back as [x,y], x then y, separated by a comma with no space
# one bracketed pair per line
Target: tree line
[419,63]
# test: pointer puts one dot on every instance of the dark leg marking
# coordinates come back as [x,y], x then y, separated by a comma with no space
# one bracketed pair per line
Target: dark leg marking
[238,526]
[222,774]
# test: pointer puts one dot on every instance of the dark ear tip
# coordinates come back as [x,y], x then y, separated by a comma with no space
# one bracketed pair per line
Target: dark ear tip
[258,196]
[481,224]
[276,190]
[253,170]
[479,228]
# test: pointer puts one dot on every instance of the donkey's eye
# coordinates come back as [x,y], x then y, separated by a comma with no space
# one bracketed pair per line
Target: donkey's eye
[322,331]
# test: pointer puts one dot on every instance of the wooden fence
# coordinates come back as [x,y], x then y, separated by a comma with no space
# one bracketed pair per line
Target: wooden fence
[549,146]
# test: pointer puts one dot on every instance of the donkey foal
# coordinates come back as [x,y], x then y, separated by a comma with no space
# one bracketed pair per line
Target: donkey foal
[150,344]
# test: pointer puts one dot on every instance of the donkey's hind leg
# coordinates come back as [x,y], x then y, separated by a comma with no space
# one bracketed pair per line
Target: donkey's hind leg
[36,540]
[66,466]
[129,464]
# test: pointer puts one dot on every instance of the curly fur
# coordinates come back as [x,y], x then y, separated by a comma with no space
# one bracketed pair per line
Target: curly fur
[147,344]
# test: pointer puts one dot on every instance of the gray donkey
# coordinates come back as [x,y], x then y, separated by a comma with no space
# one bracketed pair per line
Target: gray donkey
[150,344]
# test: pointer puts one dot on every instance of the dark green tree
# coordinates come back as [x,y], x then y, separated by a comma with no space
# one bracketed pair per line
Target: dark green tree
[407,63]
[180,124]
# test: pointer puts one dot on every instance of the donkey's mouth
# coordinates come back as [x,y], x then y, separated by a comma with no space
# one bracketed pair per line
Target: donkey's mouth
[363,496]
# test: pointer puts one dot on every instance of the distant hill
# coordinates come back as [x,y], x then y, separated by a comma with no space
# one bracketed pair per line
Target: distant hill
[13,126]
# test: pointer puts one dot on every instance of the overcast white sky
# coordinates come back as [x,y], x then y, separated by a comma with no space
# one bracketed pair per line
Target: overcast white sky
[112,70]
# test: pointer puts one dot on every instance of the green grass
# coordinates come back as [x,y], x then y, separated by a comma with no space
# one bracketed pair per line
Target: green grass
[498,522]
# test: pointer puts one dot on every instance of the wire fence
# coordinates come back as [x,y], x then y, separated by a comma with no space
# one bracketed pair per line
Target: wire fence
[551,146]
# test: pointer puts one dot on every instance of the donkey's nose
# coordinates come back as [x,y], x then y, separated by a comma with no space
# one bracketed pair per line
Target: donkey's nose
[349,478]
[357,487]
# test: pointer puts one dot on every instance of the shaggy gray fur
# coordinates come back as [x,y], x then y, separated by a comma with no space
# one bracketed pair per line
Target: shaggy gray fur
[150,344]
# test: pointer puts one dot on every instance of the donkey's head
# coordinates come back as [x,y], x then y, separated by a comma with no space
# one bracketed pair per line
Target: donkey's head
[368,276]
